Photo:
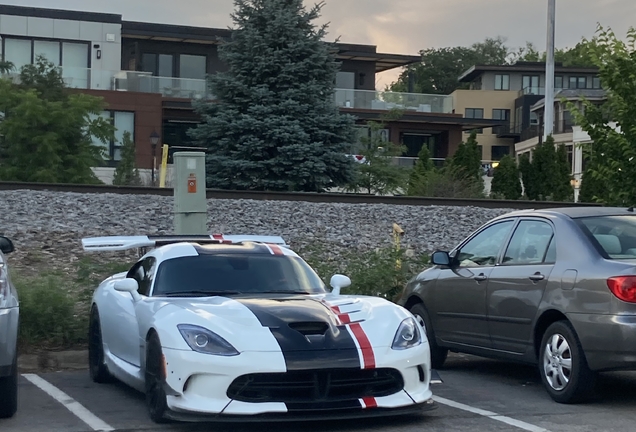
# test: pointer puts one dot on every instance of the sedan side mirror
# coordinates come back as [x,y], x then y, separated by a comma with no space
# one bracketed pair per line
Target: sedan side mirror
[6,245]
[441,258]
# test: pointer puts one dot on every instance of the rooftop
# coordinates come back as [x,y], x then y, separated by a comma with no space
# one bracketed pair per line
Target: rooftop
[539,67]
[574,94]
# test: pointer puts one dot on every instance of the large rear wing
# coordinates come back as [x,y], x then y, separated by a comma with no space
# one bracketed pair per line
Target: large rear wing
[122,243]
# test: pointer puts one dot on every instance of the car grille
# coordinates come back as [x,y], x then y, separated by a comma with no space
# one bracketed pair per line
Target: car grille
[316,385]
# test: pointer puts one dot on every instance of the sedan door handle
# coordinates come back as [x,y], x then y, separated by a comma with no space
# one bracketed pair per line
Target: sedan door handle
[481,277]
[537,277]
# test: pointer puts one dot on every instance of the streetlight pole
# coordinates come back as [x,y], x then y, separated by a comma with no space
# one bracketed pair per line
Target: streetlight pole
[548,121]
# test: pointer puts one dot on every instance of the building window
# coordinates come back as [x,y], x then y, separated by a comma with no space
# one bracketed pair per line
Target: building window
[72,57]
[502,82]
[192,66]
[596,82]
[124,121]
[530,84]
[578,82]
[498,152]
[558,83]
[475,113]
[504,115]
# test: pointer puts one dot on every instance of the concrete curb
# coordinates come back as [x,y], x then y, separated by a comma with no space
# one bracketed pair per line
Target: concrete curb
[47,361]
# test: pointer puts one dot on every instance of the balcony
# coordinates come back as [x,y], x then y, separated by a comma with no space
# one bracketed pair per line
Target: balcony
[506,131]
[384,100]
[80,78]
[536,91]
[145,82]
[560,127]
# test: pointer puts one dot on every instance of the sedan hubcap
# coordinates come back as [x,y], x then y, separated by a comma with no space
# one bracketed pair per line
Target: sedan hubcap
[557,362]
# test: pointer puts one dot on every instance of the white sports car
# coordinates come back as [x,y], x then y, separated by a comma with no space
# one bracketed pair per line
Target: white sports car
[240,327]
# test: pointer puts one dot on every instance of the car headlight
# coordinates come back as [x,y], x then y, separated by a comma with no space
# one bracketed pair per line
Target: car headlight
[408,335]
[4,284]
[205,341]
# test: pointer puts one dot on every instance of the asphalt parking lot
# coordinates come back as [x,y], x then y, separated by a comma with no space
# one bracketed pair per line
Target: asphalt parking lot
[476,395]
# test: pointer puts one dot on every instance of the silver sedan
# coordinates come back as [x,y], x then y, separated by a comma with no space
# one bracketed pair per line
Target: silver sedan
[555,288]
[9,314]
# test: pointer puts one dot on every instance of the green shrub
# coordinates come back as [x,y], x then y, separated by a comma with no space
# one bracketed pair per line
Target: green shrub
[48,314]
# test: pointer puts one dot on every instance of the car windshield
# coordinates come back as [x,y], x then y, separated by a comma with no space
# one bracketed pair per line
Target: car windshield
[227,274]
[614,235]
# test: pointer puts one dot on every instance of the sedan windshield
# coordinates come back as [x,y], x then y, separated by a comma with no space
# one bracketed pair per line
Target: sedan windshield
[228,274]
[614,235]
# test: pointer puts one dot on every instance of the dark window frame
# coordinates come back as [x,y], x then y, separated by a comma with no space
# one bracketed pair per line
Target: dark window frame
[4,37]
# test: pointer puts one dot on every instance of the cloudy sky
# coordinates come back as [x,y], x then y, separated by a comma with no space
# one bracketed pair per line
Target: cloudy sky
[397,26]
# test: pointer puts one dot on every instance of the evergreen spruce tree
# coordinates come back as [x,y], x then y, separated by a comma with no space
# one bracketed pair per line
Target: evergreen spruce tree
[126,173]
[528,177]
[465,164]
[562,188]
[274,124]
[420,174]
[505,181]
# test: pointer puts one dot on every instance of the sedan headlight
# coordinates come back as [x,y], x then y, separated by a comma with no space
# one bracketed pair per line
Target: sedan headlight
[408,335]
[205,341]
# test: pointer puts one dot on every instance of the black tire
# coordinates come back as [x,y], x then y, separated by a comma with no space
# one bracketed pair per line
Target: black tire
[156,402]
[96,365]
[438,354]
[9,391]
[565,374]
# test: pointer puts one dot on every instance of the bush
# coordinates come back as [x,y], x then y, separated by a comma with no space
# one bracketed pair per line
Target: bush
[48,315]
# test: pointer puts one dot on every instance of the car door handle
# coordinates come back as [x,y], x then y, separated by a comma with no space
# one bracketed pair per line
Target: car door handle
[537,277]
[481,277]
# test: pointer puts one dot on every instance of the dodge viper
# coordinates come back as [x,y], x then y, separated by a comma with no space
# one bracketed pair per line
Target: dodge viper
[242,328]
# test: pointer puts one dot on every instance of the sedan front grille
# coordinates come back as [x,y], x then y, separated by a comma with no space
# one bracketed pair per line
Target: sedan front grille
[316,385]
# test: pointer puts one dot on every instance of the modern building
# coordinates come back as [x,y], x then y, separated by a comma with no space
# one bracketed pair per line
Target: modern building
[149,74]
[565,129]
[507,93]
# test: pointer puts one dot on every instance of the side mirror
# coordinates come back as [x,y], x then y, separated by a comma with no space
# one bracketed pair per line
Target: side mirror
[441,258]
[338,282]
[6,245]
[126,285]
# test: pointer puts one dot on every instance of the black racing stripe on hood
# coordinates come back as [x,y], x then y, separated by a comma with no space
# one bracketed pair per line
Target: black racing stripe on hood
[288,317]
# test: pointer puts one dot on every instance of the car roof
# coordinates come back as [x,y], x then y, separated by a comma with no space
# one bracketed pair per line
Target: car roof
[185,249]
[575,212]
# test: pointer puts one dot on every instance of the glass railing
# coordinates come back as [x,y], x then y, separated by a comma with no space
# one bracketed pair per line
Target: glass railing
[80,78]
[384,100]
[145,82]
[537,91]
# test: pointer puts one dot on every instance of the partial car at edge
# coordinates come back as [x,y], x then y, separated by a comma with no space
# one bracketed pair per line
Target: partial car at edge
[9,317]
[241,328]
[554,287]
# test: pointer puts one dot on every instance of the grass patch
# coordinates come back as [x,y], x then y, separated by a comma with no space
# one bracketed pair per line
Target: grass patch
[54,305]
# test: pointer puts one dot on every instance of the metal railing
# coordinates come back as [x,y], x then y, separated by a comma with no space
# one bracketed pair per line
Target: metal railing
[560,127]
[79,78]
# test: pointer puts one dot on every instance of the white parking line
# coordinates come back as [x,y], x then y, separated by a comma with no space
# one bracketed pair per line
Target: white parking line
[71,404]
[508,420]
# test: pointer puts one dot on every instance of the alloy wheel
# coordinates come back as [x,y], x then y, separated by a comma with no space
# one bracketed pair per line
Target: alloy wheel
[557,362]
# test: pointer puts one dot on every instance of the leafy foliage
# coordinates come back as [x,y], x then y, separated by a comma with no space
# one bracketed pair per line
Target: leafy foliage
[6,67]
[439,69]
[274,125]
[505,180]
[47,130]
[547,176]
[379,174]
[126,173]
[612,126]
[418,179]
[466,161]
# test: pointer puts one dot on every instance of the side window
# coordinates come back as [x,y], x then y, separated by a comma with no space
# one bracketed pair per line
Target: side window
[148,266]
[530,244]
[483,249]
[136,272]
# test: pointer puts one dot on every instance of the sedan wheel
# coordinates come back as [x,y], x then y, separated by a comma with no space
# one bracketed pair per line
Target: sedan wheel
[9,392]
[563,367]
[438,355]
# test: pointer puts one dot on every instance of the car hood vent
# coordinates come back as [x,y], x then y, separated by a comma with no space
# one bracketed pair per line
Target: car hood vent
[310,328]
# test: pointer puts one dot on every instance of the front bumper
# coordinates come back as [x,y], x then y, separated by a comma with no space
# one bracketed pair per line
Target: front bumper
[609,341]
[197,386]
[8,339]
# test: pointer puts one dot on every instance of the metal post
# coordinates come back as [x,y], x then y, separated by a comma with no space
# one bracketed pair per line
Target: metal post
[549,72]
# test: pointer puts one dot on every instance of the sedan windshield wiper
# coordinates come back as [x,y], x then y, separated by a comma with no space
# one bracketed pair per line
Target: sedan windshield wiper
[199,293]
